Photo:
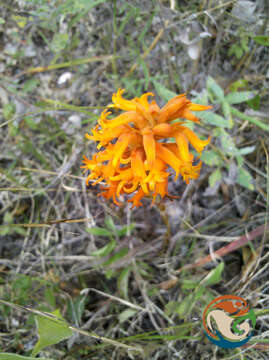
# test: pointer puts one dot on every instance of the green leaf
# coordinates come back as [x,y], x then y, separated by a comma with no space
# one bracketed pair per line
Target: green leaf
[109,222]
[50,296]
[214,119]
[171,307]
[59,42]
[214,277]
[120,254]
[214,177]
[19,230]
[4,230]
[123,281]
[262,40]
[21,21]
[10,356]
[254,103]
[124,230]
[211,157]
[2,21]
[8,217]
[30,85]
[9,110]
[215,89]
[227,113]
[188,284]
[76,307]
[51,331]
[98,231]
[126,314]
[163,92]
[240,83]
[104,251]
[227,143]
[246,150]
[239,97]
[82,8]
[29,120]
[185,307]
[245,179]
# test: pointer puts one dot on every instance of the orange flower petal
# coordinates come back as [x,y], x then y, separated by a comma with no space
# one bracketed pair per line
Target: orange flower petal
[163,130]
[183,146]
[125,174]
[172,109]
[149,146]
[143,100]
[119,187]
[120,147]
[154,109]
[144,187]
[168,157]
[132,188]
[197,107]
[162,188]
[145,115]
[102,121]
[122,119]
[120,103]
[137,163]
[106,135]
[195,141]
[108,170]
[186,114]
[136,198]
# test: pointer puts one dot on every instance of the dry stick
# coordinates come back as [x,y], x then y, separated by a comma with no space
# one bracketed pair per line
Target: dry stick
[66,188]
[146,52]
[262,347]
[237,244]
[47,172]
[49,223]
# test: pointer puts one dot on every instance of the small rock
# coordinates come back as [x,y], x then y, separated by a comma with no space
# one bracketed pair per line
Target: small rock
[64,78]
[73,123]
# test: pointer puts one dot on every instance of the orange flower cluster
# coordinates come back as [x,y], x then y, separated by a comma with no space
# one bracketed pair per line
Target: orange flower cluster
[138,147]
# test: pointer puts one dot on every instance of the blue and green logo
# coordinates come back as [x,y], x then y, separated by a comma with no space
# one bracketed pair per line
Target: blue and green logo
[228,321]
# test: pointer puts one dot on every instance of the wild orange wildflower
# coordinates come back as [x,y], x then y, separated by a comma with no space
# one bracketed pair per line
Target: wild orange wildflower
[136,150]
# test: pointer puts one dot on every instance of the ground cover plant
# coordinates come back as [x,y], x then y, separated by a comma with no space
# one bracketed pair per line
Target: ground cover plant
[84,278]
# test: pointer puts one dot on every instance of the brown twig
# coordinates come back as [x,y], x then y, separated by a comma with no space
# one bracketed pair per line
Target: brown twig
[237,244]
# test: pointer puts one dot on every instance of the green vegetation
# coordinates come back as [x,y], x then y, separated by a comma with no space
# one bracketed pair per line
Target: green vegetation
[81,278]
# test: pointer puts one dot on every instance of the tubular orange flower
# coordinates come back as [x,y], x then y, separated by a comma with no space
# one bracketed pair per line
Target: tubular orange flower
[135,156]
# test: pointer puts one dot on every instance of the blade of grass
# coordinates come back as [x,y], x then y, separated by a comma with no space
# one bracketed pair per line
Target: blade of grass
[48,223]
[64,106]
[66,64]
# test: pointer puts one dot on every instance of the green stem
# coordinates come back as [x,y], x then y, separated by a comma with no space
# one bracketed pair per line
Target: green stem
[252,120]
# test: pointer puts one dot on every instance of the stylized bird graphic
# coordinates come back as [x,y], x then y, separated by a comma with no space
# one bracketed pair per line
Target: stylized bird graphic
[224,324]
